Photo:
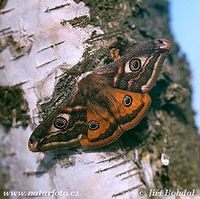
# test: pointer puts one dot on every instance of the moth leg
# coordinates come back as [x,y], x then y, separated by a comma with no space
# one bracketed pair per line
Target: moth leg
[114,54]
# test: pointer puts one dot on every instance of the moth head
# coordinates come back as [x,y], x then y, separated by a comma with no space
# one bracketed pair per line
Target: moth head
[55,132]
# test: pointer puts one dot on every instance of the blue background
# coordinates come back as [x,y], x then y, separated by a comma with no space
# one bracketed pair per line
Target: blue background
[185,26]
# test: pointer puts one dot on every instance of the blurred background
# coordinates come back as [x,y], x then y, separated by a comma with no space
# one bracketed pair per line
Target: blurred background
[185,26]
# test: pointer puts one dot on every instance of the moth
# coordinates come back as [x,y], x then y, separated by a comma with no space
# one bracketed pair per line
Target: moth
[105,102]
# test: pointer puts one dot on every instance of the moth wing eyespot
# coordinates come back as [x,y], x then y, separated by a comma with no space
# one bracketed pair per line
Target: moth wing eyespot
[135,64]
[60,123]
[127,101]
[93,125]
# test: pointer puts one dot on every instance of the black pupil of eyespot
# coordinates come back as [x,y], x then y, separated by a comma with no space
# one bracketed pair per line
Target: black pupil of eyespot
[60,122]
[127,100]
[93,125]
[135,64]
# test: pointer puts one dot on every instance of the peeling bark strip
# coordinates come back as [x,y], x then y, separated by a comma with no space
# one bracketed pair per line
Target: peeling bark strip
[46,63]
[130,176]
[126,172]
[113,166]
[32,173]
[112,158]
[82,21]
[105,36]
[19,43]
[51,46]
[126,191]
[2,12]
[56,7]
[4,29]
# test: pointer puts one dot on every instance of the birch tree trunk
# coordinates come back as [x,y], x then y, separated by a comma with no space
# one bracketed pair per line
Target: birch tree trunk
[37,38]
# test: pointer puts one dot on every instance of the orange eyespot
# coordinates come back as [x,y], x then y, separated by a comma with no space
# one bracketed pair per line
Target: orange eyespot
[127,101]
[93,125]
